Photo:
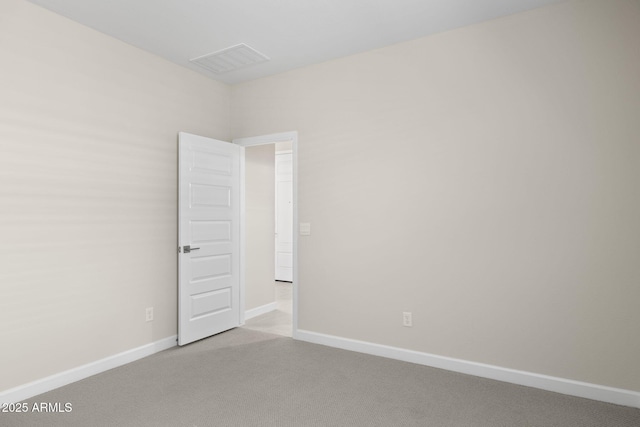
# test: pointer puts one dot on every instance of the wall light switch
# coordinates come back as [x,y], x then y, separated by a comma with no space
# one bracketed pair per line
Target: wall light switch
[305,229]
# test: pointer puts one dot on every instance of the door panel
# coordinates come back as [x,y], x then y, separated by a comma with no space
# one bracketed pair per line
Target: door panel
[209,225]
[284,217]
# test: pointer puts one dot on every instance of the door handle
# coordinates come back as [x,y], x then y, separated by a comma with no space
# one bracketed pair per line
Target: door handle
[188,249]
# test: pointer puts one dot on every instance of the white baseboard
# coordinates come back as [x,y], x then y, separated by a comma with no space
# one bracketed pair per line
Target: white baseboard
[254,312]
[43,385]
[544,382]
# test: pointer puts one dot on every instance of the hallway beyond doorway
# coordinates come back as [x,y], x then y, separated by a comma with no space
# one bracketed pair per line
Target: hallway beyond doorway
[277,321]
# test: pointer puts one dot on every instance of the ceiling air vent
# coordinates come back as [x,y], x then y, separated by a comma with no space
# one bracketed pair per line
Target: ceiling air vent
[230,59]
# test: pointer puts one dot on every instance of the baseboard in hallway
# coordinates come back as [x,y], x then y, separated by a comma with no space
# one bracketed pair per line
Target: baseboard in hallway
[259,311]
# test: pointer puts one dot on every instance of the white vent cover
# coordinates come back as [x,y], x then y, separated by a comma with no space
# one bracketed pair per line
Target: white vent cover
[230,59]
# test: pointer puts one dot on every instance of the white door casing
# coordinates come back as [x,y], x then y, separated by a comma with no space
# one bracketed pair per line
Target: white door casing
[284,217]
[271,139]
[209,227]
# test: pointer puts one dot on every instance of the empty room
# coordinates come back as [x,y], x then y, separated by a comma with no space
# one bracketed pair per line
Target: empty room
[462,242]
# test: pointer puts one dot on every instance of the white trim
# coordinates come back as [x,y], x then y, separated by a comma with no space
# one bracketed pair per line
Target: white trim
[296,280]
[43,385]
[243,241]
[267,139]
[271,139]
[263,309]
[529,379]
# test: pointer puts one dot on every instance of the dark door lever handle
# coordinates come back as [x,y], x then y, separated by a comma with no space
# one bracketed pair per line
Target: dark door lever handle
[188,249]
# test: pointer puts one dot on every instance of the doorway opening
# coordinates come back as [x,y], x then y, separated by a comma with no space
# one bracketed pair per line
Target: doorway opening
[270,260]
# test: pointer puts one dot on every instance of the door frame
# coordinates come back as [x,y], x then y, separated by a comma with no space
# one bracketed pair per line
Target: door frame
[263,140]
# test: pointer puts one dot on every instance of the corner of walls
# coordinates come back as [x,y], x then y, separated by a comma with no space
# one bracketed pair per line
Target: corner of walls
[89,142]
[502,154]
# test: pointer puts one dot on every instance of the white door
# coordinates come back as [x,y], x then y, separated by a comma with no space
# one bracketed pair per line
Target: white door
[209,194]
[284,217]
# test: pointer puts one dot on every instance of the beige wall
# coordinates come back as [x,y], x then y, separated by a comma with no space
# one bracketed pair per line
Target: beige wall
[260,225]
[88,183]
[485,179]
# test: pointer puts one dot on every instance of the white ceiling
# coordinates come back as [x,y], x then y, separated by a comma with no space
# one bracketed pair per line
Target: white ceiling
[292,33]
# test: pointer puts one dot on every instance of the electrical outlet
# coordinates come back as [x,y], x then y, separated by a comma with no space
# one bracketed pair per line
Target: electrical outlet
[149,314]
[406,319]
